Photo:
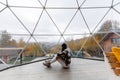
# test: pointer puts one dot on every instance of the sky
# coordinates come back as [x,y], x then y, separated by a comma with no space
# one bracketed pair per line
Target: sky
[24,17]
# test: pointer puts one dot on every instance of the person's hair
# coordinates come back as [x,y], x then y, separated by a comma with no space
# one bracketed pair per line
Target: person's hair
[64,46]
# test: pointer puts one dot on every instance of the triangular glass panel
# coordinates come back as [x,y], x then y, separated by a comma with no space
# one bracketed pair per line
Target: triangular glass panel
[3,1]
[61,3]
[13,48]
[47,38]
[47,42]
[32,50]
[75,37]
[1,7]
[112,19]
[81,2]
[77,26]
[92,49]
[28,16]
[99,37]
[46,26]
[62,17]
[57,46]
[76,43]
[8,40]
[10,23]
[43,2]
[95,3]
[92,18]
[24,3]
[116,2]
[117,7]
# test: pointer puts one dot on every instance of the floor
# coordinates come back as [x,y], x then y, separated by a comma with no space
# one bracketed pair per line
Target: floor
[80,69]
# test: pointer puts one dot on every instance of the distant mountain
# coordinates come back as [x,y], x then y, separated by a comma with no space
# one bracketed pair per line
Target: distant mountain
[48,44]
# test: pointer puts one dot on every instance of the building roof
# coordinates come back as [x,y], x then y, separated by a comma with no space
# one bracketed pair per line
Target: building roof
[107,35]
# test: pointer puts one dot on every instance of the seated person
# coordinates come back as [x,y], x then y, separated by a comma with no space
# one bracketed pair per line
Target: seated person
[63,57]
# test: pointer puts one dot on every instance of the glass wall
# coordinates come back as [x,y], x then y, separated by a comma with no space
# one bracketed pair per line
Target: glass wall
[32,30]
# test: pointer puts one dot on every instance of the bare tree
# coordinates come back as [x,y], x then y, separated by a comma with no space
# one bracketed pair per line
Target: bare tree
[109,25]
[5,39]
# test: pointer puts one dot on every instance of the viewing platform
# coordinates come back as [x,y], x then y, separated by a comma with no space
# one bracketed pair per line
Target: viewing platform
[80,69]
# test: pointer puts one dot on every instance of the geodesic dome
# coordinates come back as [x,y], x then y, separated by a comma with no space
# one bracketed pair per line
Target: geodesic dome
[54,21]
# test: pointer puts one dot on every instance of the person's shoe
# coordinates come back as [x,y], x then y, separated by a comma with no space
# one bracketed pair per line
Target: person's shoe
[66,67]
[47,63]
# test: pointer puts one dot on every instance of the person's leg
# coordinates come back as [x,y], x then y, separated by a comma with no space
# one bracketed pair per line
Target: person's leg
[49,62]
[54,58]
[63,63]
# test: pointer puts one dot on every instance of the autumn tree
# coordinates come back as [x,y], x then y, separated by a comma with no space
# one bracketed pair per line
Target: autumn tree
[38,50]
[74,45]
[34,50]
[21,43]
[91,46]
[55,49]
[13,43]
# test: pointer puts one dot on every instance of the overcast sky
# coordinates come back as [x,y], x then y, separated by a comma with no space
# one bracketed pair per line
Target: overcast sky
[19,20]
